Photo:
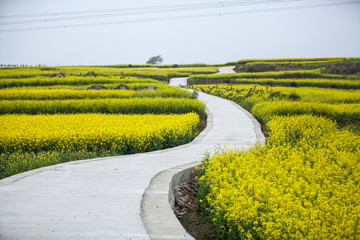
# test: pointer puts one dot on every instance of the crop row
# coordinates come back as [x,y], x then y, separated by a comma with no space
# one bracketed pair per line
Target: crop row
[158,65]
[62,94]
[48,135]
[343,66]
[111,106]
[298,63]
[316,82]
[254,94]
[191,65]
[303,184]
[227,78]
[18,162]
[339,105]
[72,80]
[161,74]
[294,60]
[136,133]
[112,134]
[343,114]
[285,66]
[156,73]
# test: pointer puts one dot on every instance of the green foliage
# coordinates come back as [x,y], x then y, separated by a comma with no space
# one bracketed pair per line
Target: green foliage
[245,61]
[342,113]
[344,66]
[155,60]
[193,65]
[294,96]
[315,82]
[266,102]
[18,162]
[143,71]
[163,91]
[113,106]
[234,77]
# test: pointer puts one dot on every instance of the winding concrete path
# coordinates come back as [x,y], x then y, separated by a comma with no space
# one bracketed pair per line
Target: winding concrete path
[176,82]
[102,198]
[226,70]
[183,81]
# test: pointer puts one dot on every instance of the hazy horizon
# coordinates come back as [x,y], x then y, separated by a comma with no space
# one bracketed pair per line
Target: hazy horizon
[130,32]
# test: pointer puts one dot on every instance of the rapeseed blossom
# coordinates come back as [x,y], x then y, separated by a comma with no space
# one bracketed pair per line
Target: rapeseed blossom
[303,184]
[113,105]
[31,141]
[123,133]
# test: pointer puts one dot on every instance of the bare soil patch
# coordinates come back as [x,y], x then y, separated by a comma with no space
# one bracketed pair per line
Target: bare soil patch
[186,211]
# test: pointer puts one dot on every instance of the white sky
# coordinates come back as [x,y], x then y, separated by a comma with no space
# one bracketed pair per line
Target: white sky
[332,31]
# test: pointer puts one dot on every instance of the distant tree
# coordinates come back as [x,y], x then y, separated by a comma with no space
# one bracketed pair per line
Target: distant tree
[155,60]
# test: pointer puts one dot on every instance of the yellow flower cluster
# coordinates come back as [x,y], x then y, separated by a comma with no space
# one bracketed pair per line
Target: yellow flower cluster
[19,161]
[151,72]
[60,93]
[74,80]
[322,95]
[46,94]
[342,113]
[229,77]
[23,72]
[265,102]
[116,106]
[306,94]
[96,132]
[94,128]
[303,184]
[305,82]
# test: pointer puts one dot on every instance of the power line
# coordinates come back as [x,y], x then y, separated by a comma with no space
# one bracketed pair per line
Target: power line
[152,10]
[163,7]
[183,17]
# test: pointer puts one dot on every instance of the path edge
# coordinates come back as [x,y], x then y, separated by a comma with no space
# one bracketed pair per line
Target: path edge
[19,176]
[158,200]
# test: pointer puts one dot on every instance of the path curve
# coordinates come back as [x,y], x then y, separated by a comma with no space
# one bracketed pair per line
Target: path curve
[183,81]
[101,198]
[176,82]
[226,70]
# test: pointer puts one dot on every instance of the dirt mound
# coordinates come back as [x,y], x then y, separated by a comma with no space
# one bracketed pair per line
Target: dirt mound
[97,87]
[122,87]
[185,209]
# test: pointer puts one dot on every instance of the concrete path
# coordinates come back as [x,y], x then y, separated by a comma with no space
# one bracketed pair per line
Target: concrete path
[183,81]
[101,198]
[226,70]
[178,82]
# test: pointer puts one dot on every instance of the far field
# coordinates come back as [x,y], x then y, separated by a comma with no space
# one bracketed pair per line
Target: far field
[51,115]
[304,183]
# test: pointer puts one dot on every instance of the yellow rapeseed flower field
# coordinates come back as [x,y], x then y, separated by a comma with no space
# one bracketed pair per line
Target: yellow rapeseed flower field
[144,72]
[122,133]
[342,113]
[67,122]
[33,141]
[113,105]
[303,184]
[265,102]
